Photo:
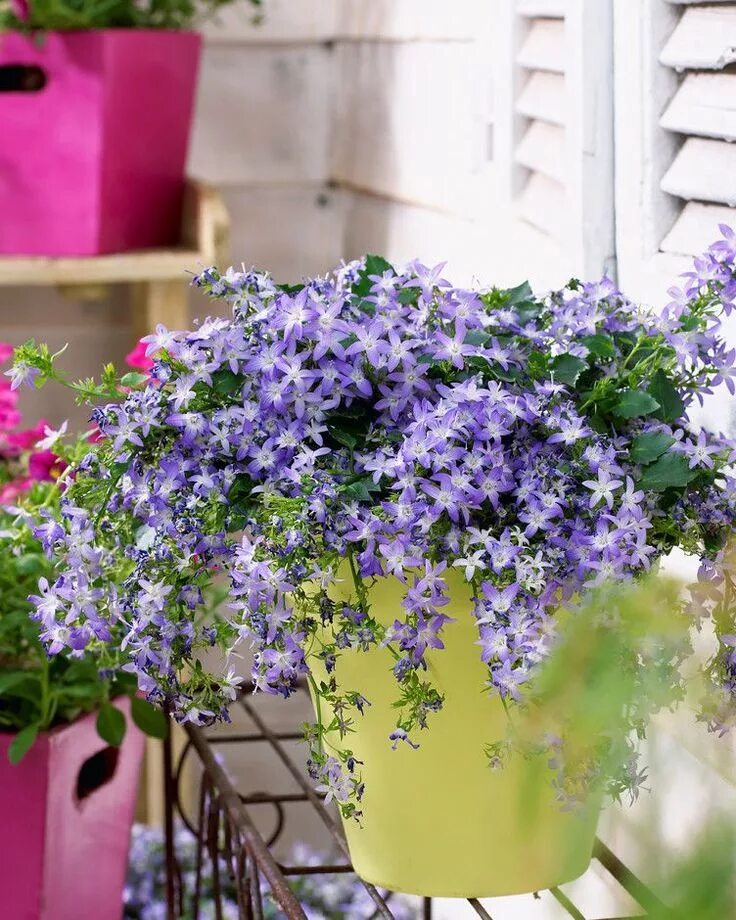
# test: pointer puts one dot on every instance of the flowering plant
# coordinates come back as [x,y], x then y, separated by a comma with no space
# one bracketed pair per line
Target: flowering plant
[38,692]
[322,896]
[382,422]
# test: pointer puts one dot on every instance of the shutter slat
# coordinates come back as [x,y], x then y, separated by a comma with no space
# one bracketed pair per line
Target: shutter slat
[704,38]
[696,228]
[543,100]
[544,46]
[703,170]
[542,149]
[694,2]
[542,204]
[553,9]
[705,104]
[543,97]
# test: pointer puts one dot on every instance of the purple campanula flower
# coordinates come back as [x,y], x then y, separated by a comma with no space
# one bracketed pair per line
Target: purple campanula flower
[22,374]
[602,489]
[452,348]
[699,452]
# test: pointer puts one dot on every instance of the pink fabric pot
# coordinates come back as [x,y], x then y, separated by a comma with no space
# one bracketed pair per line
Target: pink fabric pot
[93,160]
[66,812]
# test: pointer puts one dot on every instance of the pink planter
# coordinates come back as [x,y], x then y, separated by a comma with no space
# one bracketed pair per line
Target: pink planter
[66,812]
[93,161]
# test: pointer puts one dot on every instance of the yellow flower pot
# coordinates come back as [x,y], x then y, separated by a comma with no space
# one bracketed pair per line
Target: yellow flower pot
[438,821]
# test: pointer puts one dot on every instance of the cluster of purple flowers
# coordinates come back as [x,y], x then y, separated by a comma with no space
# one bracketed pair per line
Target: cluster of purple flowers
[380,422]
[322,896]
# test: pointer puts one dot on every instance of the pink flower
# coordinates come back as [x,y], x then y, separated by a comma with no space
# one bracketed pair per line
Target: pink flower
[6,351]
[12,490]
[26,439]
[21,8]
[139,359]
[45,466]
[9,415]
[9,418]
[8,396]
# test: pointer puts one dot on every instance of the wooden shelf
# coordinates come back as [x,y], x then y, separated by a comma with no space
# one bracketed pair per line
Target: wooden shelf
[158,278]
[146,265]
[205,229]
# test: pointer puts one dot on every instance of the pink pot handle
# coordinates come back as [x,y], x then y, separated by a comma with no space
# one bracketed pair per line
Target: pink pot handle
[96,772]
[22,78]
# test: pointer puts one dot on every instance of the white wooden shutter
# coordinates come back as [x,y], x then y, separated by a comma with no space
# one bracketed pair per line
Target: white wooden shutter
[676,120]
[703,111]
[553,207]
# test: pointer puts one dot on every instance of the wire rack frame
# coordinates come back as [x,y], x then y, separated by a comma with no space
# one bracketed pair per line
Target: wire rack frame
[240,856]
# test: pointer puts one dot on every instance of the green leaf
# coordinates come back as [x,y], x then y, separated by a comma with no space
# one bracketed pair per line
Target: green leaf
[240,489]
[476,337]
[670,471]
[600,345]
[22,743]
[133,379]
[537,365]
[150,719]
[89,692]
[522,292]
[527,311]
[597,423]
[567,368]
[29,564]
[647,447]
[225,383]
[361,489]
[634,403]
[10,679]
[409,295]
[343,437]
[671,405]
[111,724]
[377,265]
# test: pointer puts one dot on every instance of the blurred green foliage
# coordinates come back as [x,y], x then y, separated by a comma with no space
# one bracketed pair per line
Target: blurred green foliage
[82,15]
[617,661]
[702,884]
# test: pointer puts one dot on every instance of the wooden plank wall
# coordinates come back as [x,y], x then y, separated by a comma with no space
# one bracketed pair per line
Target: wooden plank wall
[262,133]
[412,140]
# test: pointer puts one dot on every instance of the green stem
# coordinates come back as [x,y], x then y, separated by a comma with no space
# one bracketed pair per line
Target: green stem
[318,710]
[358,582]
[363,597]
[45,699]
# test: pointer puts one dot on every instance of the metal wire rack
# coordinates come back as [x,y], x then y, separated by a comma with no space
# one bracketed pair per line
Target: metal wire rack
[240,857]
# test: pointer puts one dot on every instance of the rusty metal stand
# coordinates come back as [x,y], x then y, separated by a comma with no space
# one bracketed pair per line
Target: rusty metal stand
[227,836]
